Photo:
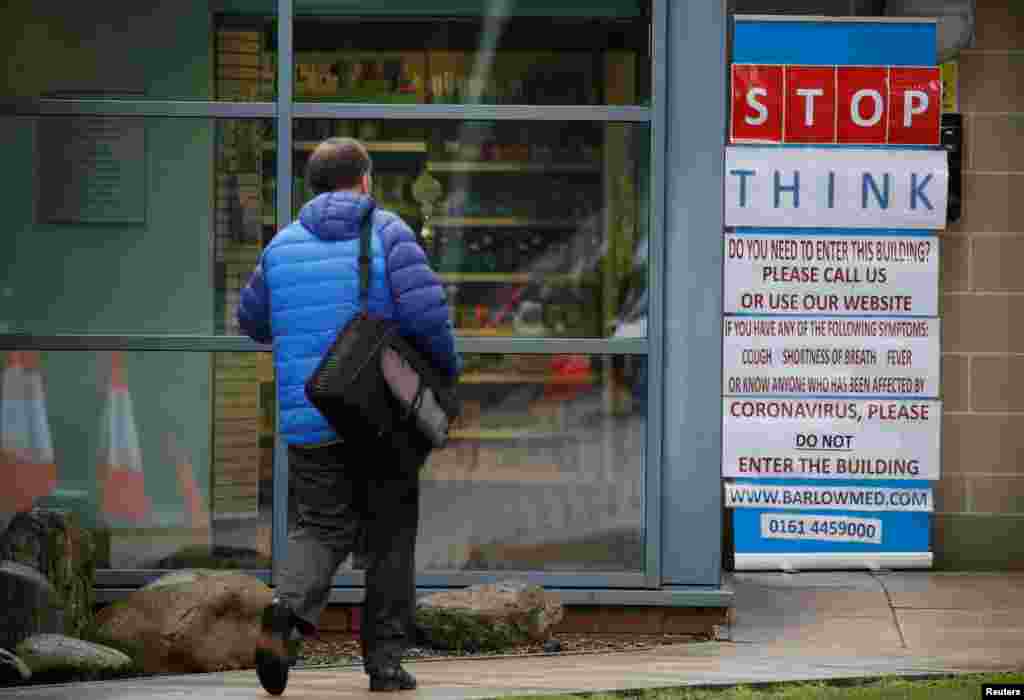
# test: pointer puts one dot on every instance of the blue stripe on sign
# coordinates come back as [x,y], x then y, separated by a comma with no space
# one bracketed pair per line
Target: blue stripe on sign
[901,532]
[827,43]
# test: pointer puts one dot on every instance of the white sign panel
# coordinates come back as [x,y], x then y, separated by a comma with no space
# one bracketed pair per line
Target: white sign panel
[785,438]
[792,273]
[828,187]
[800,497]
[827,528]
[836,356]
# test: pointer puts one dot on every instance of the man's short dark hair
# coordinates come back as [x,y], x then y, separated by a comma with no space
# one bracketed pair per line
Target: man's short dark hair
[337,164]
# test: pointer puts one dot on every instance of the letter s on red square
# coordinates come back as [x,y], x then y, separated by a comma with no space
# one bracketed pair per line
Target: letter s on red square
[915,105]
[756,103]
[810,97]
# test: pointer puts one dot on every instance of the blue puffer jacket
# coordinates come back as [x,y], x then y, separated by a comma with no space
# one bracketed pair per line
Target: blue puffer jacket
[306,288]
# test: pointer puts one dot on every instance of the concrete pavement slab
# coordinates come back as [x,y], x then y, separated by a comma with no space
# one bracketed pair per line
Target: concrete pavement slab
[954,591]
[936,630]
[806,627]
[833,610]
[465,679]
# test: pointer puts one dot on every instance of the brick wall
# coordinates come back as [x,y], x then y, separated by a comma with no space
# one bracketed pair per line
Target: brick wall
[980,500]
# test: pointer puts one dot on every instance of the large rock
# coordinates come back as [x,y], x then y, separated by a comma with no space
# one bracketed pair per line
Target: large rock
[28,604]
[488,616]
[190,621]
[56,654]
[12,669]
[55,545]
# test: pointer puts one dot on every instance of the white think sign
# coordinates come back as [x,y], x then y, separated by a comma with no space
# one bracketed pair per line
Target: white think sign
[792,273]
[787,438]
[831,187]
[837,356]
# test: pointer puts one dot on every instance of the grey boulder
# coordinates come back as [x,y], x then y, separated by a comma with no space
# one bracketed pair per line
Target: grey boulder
[12,669]
[55,653]
[28,604]
[488,616]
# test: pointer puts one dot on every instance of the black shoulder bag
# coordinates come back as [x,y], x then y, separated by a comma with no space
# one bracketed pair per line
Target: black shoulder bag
[372,381]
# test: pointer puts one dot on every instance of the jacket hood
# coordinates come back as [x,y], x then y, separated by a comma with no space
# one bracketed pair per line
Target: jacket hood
[335,215]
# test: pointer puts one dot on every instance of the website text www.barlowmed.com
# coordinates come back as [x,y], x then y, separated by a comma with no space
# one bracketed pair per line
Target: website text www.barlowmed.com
[829,497]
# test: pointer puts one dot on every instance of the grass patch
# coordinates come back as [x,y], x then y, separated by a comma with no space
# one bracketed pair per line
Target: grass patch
[965,687]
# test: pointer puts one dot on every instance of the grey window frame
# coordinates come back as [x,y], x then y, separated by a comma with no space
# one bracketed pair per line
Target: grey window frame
[635,588]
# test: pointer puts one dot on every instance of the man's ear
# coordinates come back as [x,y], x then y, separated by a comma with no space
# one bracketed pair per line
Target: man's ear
[366,184]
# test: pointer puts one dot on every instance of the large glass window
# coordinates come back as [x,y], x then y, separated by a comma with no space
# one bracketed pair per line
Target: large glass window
[167,456]
[536,228]
[138,50]
[129,225]
[544,471]
[497,53]
[138,211]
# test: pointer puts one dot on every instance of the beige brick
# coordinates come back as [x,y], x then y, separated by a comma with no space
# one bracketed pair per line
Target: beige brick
[959,493]
[992,203]
[237,73]
[986,444]
[996,265]
[997,142]
[955,259]
[949,493]
[991,82]
[997,384]
[954,383]
[982,323]
[999,24]
[249,60]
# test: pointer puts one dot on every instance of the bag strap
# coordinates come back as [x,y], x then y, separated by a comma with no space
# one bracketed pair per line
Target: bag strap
[365,234]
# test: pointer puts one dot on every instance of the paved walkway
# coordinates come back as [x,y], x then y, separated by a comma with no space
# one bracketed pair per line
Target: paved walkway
[806,626]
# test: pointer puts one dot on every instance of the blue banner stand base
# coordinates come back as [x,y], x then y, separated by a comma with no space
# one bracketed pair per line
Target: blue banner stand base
[823,561]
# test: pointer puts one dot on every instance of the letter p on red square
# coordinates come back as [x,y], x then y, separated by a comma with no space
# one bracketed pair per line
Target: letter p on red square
[756,103]
[915,105]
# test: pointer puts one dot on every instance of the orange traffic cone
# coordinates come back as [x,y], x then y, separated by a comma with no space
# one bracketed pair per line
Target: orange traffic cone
[26,448]
[119,471]
[197,516]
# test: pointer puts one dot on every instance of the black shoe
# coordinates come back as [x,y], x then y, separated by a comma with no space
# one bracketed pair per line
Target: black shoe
[275,649]
[392,678]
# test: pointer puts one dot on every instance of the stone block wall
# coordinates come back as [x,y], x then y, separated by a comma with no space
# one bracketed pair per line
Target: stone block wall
[979,523]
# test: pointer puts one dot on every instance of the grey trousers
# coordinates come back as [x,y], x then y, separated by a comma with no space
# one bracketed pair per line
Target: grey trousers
[356,500]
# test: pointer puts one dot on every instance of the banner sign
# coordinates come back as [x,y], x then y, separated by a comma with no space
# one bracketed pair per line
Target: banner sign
[804,497]
[830,356]
[898,105]
[831,439]
[833,274]
[832,528]
[835,188]
[832,187]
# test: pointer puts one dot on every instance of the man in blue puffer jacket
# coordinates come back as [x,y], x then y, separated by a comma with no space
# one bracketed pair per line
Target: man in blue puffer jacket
[306,288]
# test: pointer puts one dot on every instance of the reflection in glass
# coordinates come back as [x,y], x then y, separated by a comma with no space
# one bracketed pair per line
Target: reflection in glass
[166,456]
[158,222]
[544,471]
[537,229]
[142,50]
[508,56]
